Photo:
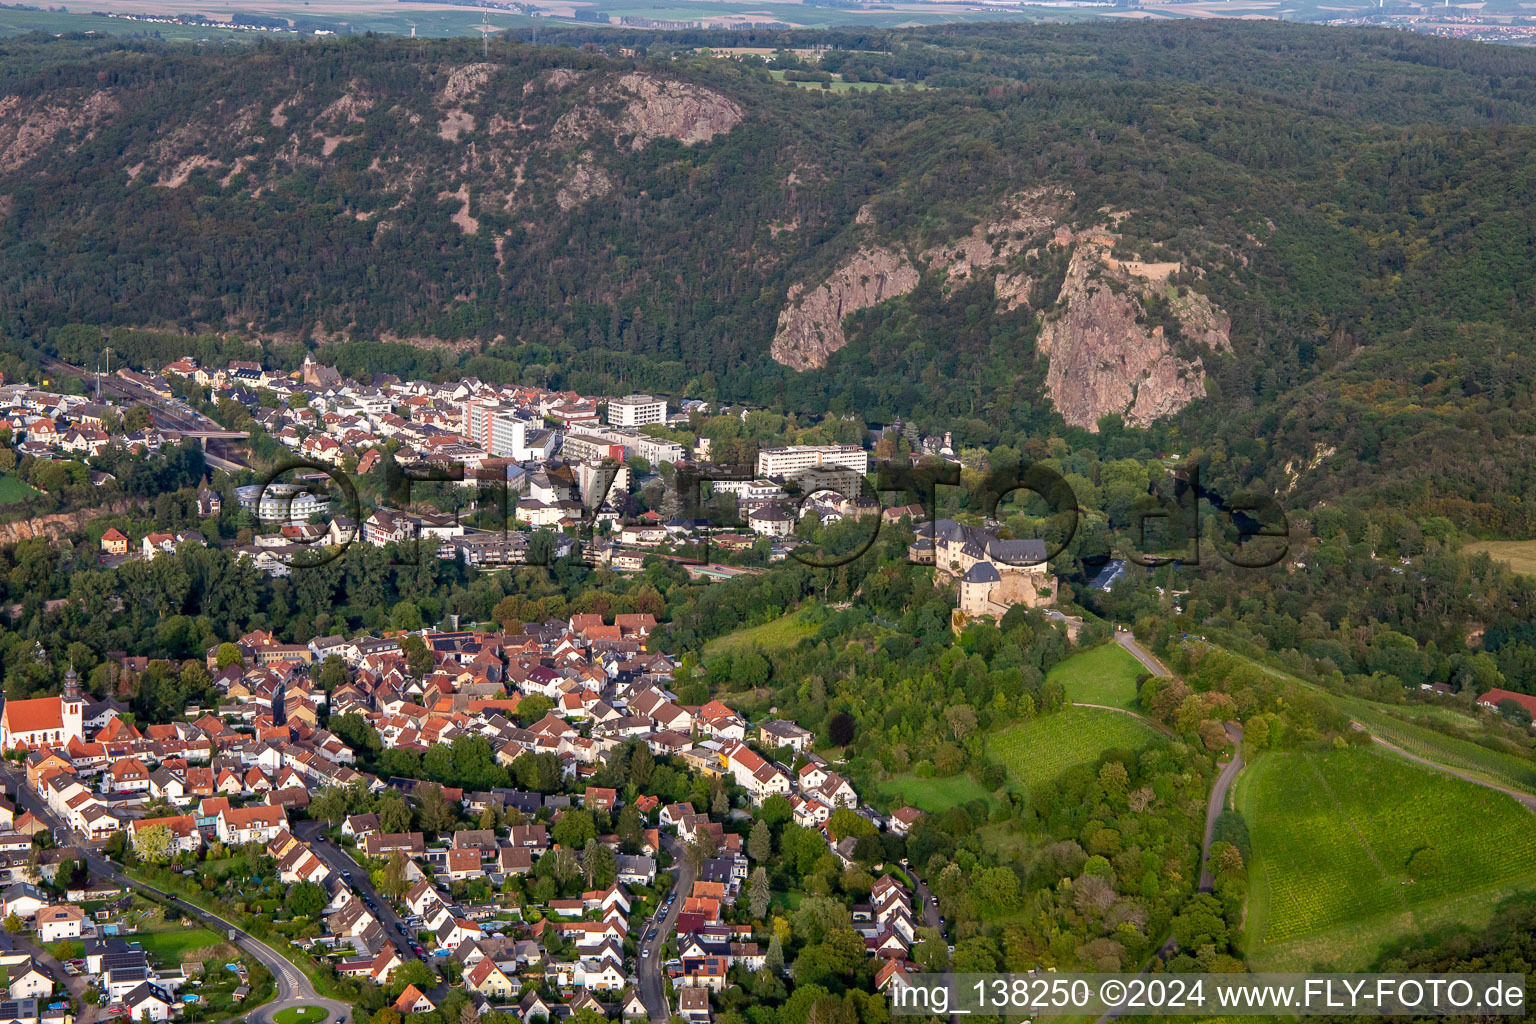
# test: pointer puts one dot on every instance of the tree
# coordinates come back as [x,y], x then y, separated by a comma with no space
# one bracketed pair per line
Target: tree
[961,719]
[701,848]
[394,813]
[773,960]
[436,811]
[14,924]
[333,673]
[154,844]
[307,899]
[642,765]
[758,893]
[760,841]
[330,804]
[468,1014]
[574,828]
[845,822]
[840,729]
[228,654]
[418,659]
[395,882]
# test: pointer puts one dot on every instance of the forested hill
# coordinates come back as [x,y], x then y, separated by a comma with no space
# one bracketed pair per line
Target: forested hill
[1315,225]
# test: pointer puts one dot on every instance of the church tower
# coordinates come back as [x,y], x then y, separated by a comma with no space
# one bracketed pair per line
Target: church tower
[72,707]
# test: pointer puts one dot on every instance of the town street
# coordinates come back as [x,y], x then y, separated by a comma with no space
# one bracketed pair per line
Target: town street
[653,991]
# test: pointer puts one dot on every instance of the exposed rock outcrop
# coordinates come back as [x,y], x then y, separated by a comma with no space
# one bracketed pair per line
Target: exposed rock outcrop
[58,524]
[1025,220]
[662,109]
[1104,358]
[1105,354]
[654,108]
[26,129]
[811,325]
[586,181]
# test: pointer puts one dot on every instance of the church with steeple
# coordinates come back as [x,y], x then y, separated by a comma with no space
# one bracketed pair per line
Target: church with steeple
[45,722]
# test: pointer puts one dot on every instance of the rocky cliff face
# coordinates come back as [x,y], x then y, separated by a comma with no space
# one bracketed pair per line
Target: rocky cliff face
[57,524]
[1103,358]
[811,325]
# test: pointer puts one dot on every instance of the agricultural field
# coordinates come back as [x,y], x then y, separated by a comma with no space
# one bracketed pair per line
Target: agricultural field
[1102,675]
[1041,749]
[934,795]
[1520,555]
[1396,725]
[1504,768]
[780,634]
[1355,848]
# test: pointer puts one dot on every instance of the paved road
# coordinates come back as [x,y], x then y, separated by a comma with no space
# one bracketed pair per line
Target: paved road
[653,990]
[335,858]
[77,984]
[293,987]
[1218,792]
[1218,802]
[1127,640]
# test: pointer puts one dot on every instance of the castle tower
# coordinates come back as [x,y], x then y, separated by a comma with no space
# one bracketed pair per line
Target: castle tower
[72,706]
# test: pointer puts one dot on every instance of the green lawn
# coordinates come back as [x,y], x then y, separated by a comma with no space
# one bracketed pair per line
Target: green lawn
[298,1015]
[1356,848]
[169,943]
[1041,749]
[13,488]
[779,634]
[934,795]
[1106,674]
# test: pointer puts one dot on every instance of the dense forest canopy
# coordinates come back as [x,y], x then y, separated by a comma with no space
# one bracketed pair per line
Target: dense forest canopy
[1356,201]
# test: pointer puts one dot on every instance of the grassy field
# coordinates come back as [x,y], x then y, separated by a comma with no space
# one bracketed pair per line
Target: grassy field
[1356,848]
[298,1015]
[1103,675]
[13,488]
[934,795]
[838,85]
[770,636]
[168,943]
[1519,554]
[1042,748]
[1394,724]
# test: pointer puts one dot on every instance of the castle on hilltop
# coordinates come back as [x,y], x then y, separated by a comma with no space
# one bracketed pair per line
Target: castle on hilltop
[995,573]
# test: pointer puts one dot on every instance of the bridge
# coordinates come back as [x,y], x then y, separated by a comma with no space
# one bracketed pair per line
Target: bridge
[204,436]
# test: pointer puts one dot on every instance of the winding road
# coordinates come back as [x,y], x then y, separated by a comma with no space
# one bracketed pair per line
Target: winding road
[1218,802]
[1224,780]
[1218,797]
[293,987]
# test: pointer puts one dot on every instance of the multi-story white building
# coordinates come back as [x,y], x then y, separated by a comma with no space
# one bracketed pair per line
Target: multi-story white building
[280,502]
[591,448]
[796,459]
[519,439]
[636,411]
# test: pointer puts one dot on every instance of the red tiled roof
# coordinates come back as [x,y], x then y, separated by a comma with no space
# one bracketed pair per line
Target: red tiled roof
[33,715]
